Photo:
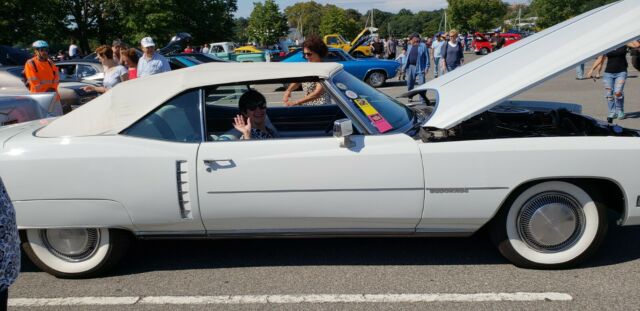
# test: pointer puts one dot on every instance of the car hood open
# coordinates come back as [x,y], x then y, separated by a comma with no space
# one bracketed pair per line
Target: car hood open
[361,38]
[491,80]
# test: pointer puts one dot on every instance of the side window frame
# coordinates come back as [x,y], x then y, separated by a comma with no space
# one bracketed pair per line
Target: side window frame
[201,119]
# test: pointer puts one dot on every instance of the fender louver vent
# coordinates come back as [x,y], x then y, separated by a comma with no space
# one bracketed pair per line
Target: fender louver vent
[182,178]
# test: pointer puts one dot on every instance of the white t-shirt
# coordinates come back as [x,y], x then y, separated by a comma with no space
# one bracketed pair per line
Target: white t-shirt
[73,50]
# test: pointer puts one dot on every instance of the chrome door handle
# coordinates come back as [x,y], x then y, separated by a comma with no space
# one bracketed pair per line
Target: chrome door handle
[213,165]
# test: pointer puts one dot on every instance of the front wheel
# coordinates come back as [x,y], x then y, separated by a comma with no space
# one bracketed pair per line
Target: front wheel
[484,51]
[75,253]
[550,225]
[377,79]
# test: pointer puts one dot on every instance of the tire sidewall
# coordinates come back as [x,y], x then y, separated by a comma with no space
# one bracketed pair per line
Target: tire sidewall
[57,266]
[384,78]
[518,251]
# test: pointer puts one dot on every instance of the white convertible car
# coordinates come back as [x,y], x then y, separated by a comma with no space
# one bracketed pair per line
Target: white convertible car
[144,160]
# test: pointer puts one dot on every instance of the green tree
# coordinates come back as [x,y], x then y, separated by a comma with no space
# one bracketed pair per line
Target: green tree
[240,30]
[477,15]
[266,23]
[551,12]
[305,17]
[334,20]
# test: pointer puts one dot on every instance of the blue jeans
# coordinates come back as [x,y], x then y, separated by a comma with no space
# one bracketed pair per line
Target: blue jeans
[451,68]
[614,90]
[437,71]
[580,71]
[415,76]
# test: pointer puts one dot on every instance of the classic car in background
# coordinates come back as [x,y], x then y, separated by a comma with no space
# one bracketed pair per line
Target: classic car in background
[81,70]
[10,56]
[145,160]
[226,51]
[354,47]
[374,71]
[18,108]
[482,46]
[71,93]
[183,60]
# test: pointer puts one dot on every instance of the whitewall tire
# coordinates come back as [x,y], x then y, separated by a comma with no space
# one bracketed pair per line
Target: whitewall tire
[550,225]
[74,252]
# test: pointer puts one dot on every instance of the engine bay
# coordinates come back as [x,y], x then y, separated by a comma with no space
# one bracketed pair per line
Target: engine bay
[519,122]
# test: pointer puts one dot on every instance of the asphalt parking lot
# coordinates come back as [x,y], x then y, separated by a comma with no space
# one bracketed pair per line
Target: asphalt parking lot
[357,274]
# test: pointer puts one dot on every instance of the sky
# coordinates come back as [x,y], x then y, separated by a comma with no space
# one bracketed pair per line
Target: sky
[246,6]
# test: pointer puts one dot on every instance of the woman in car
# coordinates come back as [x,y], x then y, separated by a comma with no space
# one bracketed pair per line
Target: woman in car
[314,51]
[252,122]
[114,73]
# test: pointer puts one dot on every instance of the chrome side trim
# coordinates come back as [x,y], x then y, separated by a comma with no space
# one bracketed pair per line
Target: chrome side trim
[182,182]
[303,234]
[314,190]
[462,190]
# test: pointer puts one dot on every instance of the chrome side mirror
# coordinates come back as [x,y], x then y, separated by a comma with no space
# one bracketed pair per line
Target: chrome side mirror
[342,130]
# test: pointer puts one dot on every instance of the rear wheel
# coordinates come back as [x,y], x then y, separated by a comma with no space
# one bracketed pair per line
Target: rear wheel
[75,253]
[550,225]
[484,51]
[377,79]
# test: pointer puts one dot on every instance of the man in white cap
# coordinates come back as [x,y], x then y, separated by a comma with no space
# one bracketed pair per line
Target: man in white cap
[151,62]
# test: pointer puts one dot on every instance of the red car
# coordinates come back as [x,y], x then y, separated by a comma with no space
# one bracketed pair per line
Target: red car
[482,45]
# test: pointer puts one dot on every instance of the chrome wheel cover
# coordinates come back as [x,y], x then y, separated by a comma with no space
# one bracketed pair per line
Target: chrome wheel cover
[71,245]
[376,78]
[551,221]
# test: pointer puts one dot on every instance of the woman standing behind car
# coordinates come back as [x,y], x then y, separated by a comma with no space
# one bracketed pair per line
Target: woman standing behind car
[314,51]
[614,78]
[130,59]
[113,72]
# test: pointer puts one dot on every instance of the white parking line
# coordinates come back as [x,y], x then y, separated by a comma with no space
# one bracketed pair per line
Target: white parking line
[288,299]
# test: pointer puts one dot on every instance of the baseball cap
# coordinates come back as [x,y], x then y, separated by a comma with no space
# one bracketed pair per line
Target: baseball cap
[414,35]
[147,42]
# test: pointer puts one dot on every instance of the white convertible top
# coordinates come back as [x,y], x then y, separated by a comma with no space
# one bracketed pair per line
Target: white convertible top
[127,102]
[493,79]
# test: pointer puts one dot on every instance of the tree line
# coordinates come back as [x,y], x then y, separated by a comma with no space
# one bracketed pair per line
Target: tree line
[94,22]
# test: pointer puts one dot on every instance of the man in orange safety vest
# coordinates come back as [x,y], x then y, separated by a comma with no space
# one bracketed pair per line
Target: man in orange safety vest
[41,73]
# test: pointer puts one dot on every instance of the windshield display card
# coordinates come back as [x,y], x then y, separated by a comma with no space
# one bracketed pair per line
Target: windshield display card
[376,118]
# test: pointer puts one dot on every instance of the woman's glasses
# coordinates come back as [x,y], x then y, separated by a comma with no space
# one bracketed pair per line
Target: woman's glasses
[307,55]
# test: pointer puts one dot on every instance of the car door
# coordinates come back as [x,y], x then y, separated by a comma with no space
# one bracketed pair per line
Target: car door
[310,184]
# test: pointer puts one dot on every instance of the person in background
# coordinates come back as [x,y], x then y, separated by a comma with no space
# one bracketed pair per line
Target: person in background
[314,51]
[417,64]
[73,50]
[9,247]
[116,47]
[392,47]
[130,59]
[580,71]
[61,56]
[436,48]
[614,78]
[402,59]
[188,49]
[114,73]
[377,47]
[452,53]
[151,62]
[41,73]
[205,49]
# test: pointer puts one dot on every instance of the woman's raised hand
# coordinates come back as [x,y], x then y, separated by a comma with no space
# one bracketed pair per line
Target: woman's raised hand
[242,126]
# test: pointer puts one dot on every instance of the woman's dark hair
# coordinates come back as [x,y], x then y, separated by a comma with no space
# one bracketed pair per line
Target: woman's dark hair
[250,98]
[315,44]
[131,54]
[105,51]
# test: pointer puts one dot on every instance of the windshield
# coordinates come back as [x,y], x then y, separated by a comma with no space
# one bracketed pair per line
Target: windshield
[385,113]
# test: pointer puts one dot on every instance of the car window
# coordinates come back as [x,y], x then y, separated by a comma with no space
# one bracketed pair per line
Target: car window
[86,71]
[177,120]
[217,49]
[332,40]
[334,56]
[69,70]
[222,105]
[385,113]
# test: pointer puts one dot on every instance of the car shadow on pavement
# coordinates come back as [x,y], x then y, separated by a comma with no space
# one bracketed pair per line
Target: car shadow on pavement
[621,245]
[632,115]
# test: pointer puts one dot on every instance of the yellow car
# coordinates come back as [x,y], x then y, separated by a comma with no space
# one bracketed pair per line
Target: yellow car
[248,49]
[354,47]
